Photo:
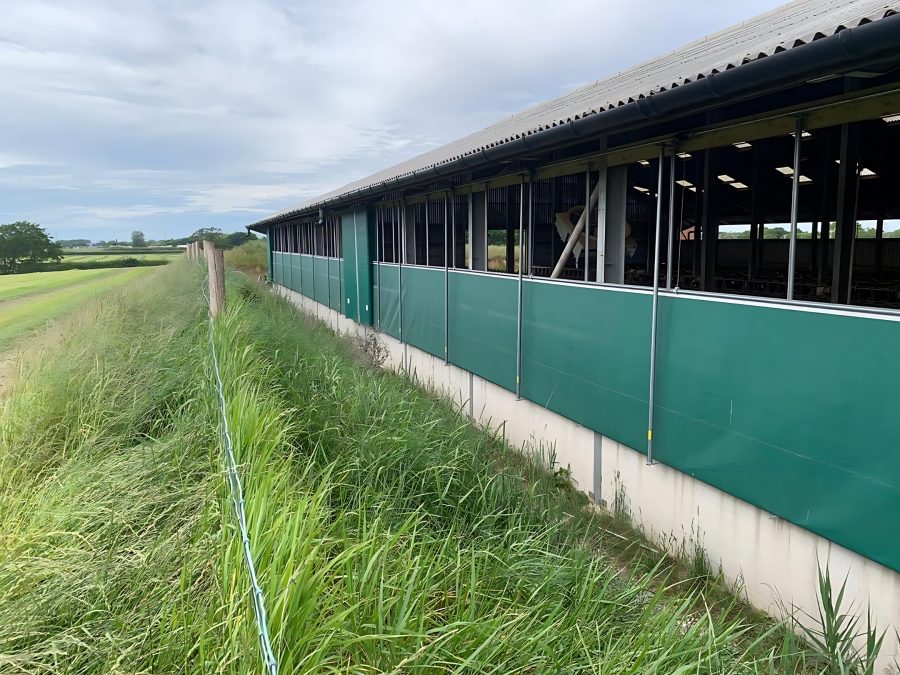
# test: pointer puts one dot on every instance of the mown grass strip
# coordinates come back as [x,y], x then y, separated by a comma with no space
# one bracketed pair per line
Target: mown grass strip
[19,316]
[14,286]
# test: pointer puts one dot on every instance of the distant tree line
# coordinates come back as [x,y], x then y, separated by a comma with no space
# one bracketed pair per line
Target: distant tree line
[26,247]
[779,232]
[221,239]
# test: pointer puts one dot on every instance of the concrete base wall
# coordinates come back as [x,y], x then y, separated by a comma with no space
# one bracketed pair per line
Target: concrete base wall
[775,561]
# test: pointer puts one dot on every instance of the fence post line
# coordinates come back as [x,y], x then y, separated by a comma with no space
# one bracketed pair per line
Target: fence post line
[215,265]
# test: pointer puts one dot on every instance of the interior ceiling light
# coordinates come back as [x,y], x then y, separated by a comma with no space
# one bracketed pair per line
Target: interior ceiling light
[692,189]
[684,155]
[892,119]
[685,183]
[742,145]
[738,185]
[786,170]
[867,173]
[725,178]
[803,134]
[804,179]
[641,189]
[643,162]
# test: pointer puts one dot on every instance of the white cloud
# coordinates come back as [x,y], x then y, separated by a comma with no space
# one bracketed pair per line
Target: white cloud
[184,113]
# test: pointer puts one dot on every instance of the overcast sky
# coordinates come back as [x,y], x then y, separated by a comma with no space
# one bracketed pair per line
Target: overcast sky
[167,116]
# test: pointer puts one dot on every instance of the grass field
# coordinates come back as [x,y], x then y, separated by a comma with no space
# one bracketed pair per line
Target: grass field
[390,535]
[29,301]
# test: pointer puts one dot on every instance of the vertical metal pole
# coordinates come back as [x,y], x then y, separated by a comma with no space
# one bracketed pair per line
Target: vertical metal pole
[300,245]
[327,262]
[470,264]
[486,260]
[655,309]
[394,228]
[601,221]
[379,222]
[446,283]
[452,229]
[530,247]
[402,221]
[671,237]
[587,223]
[795,196]
[427,227]
[519,304]
[356,271]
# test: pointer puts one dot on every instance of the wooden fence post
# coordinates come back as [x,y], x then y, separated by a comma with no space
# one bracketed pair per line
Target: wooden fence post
[215,264]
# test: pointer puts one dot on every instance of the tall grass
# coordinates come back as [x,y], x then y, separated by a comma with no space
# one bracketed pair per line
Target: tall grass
[390,536]
[251,257]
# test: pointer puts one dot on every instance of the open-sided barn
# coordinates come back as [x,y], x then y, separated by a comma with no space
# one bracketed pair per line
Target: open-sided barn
[714,340]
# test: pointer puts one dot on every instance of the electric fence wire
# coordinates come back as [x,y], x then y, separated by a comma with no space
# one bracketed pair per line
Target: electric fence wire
[237,500]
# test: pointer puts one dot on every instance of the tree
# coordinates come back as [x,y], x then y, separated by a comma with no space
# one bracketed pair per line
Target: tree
[207,234]
[74,243]
[25,244]
[138,239]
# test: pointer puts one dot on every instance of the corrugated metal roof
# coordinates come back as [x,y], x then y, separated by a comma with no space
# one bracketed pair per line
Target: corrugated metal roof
[794,24]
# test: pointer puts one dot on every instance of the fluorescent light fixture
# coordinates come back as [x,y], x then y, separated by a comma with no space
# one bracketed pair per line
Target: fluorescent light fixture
[742,145]
[685,183]
[786,170]
[738,185]
[725,178]
[641,189]
[692,189]
[643,162]
[804,179]
[892,119]
[684,155]
[867,173]
[803,134]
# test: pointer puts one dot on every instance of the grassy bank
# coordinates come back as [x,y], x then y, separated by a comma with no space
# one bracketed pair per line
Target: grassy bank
[390,536]
[251,257]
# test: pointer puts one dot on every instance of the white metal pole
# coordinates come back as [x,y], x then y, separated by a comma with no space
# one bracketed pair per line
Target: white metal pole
[795,195]
[519,304]
[655,306]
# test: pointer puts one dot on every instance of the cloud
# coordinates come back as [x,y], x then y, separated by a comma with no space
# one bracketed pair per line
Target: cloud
[169,116]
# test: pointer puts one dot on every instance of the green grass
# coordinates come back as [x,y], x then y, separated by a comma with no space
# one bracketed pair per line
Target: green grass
[106,257]
[29,301]
[390,536]
[251,257]
[18,285]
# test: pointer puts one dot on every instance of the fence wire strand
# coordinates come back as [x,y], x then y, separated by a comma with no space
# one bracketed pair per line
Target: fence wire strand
[237,500]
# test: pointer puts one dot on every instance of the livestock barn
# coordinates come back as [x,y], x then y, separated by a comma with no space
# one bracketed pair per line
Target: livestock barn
[685,279]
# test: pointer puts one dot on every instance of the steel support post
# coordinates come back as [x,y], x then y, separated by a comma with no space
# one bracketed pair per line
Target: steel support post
[402,221]
[670,244]
[446,282]
[379,223]
[587,223]
[655,307]
[519,303]
[529,250]
[427,228]
[795,206]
